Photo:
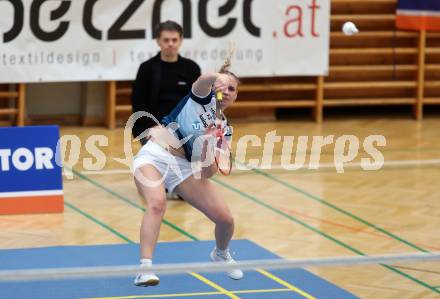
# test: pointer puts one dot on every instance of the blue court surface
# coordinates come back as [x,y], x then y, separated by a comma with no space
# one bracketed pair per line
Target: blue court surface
[258,284]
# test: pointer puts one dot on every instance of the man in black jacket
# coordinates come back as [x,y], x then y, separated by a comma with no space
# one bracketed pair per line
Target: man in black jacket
[162,80]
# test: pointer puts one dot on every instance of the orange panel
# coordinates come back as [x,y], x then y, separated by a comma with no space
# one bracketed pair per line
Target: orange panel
[32,204]
[418,22]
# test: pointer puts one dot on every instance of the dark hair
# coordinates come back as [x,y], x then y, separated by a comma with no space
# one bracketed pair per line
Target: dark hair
[168,26]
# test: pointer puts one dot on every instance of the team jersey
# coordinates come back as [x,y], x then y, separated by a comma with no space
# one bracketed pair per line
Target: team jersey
[192,116]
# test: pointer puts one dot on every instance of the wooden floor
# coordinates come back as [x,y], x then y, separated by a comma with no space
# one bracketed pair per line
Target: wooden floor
[296,214]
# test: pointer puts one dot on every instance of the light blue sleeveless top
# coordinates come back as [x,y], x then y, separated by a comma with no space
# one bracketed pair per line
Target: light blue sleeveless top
[192,116]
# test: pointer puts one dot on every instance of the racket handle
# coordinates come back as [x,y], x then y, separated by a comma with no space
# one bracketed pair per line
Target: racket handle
[219,95]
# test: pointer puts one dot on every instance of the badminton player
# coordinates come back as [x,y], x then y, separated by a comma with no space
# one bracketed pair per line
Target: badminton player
[161,163]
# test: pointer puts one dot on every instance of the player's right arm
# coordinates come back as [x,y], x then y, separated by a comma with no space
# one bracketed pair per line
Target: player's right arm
[205,84]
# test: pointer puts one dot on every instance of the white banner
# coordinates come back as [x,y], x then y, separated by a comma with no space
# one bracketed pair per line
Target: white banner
[86,40]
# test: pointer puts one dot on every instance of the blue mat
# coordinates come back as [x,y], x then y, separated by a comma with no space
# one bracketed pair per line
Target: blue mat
[254,285]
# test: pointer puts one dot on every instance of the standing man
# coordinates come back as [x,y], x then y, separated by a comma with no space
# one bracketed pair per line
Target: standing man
[162,80]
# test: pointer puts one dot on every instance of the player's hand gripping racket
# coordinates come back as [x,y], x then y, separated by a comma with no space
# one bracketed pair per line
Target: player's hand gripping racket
[223,157]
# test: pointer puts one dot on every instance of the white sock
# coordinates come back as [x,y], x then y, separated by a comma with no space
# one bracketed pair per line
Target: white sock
[146,263]
[221,252]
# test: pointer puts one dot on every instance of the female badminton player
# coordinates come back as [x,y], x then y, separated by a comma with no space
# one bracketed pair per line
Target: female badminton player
[162,163]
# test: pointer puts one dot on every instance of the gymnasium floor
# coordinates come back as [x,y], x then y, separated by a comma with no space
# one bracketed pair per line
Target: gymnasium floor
[277,284]
[293,214]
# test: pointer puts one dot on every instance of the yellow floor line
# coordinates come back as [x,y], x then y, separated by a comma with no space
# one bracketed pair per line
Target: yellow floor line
[214,285]
[286,284]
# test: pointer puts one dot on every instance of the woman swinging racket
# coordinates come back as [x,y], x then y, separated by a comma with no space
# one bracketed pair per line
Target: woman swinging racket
[162,163]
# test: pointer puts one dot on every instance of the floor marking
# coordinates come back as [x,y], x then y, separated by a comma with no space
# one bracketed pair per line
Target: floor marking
[286,284]
[417,269]
[279,167]
[347,227]
[214,285]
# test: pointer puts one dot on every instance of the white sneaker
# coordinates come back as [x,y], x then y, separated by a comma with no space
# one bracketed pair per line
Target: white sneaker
[226,257]
[146,280]
[144,277]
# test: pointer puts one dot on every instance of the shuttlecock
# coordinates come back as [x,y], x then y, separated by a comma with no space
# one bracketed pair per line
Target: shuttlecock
[349,28]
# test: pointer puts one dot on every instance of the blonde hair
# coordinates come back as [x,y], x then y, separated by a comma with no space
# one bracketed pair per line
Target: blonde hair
[226,65]
[224,69]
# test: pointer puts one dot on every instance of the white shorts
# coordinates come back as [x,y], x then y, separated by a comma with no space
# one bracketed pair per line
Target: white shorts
[174,170]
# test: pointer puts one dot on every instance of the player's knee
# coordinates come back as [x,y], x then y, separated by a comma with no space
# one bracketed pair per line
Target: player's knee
[157,205]
[226,220]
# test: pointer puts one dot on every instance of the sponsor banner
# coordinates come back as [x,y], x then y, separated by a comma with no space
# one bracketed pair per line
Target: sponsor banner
[31,180]
[418,14]
[85,40]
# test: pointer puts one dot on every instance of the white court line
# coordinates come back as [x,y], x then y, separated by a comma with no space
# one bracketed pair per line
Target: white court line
[279,167]
[359,164]
[31,193]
